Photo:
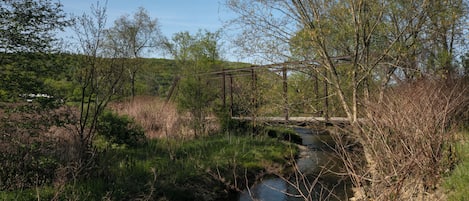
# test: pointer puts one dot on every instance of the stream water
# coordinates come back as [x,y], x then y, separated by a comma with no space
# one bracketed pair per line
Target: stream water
[315,158]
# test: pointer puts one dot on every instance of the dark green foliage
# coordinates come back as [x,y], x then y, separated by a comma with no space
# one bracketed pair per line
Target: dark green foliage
[28,158]
[53,74]
[120,129]
[25,73]
[157,76]
[46,193]
[27,165]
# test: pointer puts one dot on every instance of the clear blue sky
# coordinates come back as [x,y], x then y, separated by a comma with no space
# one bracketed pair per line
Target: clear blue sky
[173,15]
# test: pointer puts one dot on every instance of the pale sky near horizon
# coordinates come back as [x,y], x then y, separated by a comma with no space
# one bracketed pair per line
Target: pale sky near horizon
[173,15]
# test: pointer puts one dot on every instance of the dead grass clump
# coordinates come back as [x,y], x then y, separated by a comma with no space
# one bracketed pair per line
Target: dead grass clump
[408,137]
[158,118]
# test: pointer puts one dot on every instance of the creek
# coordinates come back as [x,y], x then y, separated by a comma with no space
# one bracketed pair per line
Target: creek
[318,165]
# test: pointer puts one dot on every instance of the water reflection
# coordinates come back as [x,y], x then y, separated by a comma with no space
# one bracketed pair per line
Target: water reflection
[317,186]
[268,190]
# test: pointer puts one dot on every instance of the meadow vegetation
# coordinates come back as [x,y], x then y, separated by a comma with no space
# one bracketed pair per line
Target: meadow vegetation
[101,122]
[128,165]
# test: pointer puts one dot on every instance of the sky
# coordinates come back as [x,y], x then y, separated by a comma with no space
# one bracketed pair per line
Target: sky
[173,15]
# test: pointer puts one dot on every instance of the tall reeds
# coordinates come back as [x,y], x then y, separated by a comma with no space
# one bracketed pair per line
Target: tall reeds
[157,117]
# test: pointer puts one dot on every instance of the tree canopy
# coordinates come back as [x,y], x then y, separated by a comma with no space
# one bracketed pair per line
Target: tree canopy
[30,25]
[27,29]
[196,54]
[383,41]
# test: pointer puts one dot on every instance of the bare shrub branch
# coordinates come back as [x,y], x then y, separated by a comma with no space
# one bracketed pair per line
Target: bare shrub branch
[407,138]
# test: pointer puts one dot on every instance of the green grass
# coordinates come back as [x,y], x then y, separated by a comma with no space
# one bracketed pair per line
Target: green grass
[198,169]
[457,183]
[186,169]
[45,193]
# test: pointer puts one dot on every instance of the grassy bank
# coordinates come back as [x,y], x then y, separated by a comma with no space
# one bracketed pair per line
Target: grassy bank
[456,183]
[208,168]
[143,150]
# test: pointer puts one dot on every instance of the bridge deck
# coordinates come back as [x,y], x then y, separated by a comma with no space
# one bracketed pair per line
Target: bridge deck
[298,120]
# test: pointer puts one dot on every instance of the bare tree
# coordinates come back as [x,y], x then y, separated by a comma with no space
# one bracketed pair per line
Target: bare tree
[99,74]
[357,46]
[132,38]
[379,39]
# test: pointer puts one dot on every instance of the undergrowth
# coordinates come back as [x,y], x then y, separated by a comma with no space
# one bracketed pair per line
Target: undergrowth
[126,164]
[207,168]
[456,183]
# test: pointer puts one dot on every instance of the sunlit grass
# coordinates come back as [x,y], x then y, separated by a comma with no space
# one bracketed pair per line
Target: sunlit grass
[457,183]
[186,168]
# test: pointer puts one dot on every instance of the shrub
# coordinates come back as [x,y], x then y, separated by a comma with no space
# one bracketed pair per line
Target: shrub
[120,129]
[408,137]
[30,153]
[25,166]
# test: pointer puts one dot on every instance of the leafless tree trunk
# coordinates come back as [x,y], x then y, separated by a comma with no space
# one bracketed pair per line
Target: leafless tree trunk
[99,74]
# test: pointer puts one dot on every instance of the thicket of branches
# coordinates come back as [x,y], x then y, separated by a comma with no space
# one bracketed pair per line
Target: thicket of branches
[408,137]
[399,84]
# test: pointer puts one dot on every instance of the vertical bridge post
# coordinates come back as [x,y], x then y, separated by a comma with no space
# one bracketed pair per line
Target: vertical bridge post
[224,88]
[231,95]
[326,97]
[254,96]
[285,92]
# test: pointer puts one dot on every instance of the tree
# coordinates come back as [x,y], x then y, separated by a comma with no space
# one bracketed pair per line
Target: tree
[382,41]
[358,45]
[465,64]
[447,22]
[195,55]
[30,25]
[98,74]
[27,31]
[132,38]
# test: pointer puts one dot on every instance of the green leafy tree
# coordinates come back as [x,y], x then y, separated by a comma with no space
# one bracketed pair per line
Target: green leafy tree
[27,34]
[30,25]
[196,55]
[382,41]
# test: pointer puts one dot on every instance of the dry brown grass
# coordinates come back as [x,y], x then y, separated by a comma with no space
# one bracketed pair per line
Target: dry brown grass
[158,118]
